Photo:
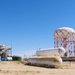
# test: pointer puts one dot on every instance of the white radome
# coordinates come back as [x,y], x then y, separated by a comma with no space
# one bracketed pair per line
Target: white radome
[64,32]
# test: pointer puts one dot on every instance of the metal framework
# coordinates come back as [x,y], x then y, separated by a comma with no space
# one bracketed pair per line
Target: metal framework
[65,37]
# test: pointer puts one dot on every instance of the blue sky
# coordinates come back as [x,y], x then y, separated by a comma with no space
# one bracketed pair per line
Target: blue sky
[30,24]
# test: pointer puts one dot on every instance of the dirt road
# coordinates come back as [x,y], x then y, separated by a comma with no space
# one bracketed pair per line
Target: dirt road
[17,68]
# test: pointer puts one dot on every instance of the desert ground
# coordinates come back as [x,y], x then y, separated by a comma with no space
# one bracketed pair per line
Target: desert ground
[19,68]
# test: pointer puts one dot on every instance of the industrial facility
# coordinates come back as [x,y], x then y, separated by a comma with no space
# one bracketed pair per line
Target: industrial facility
[5,51]
[64,49]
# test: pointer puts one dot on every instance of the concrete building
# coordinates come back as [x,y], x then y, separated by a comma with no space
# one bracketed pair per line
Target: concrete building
[5,51]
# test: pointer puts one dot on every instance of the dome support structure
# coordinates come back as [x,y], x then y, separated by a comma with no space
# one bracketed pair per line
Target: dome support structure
[65,37]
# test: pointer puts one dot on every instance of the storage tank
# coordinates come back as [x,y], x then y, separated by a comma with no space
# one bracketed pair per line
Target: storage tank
[51,52]
[49,57]
[47,61]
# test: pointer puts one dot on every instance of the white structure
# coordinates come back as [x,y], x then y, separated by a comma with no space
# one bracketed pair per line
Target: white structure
[47,57]
[9,58]
[51,52]
[49,61]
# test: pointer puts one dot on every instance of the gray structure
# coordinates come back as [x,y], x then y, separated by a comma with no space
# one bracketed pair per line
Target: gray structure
[4,51]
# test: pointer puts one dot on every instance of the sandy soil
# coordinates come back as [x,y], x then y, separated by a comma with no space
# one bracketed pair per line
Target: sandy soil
[17,68]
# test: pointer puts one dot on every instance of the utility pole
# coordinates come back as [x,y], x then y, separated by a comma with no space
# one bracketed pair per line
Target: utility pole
[11,48]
